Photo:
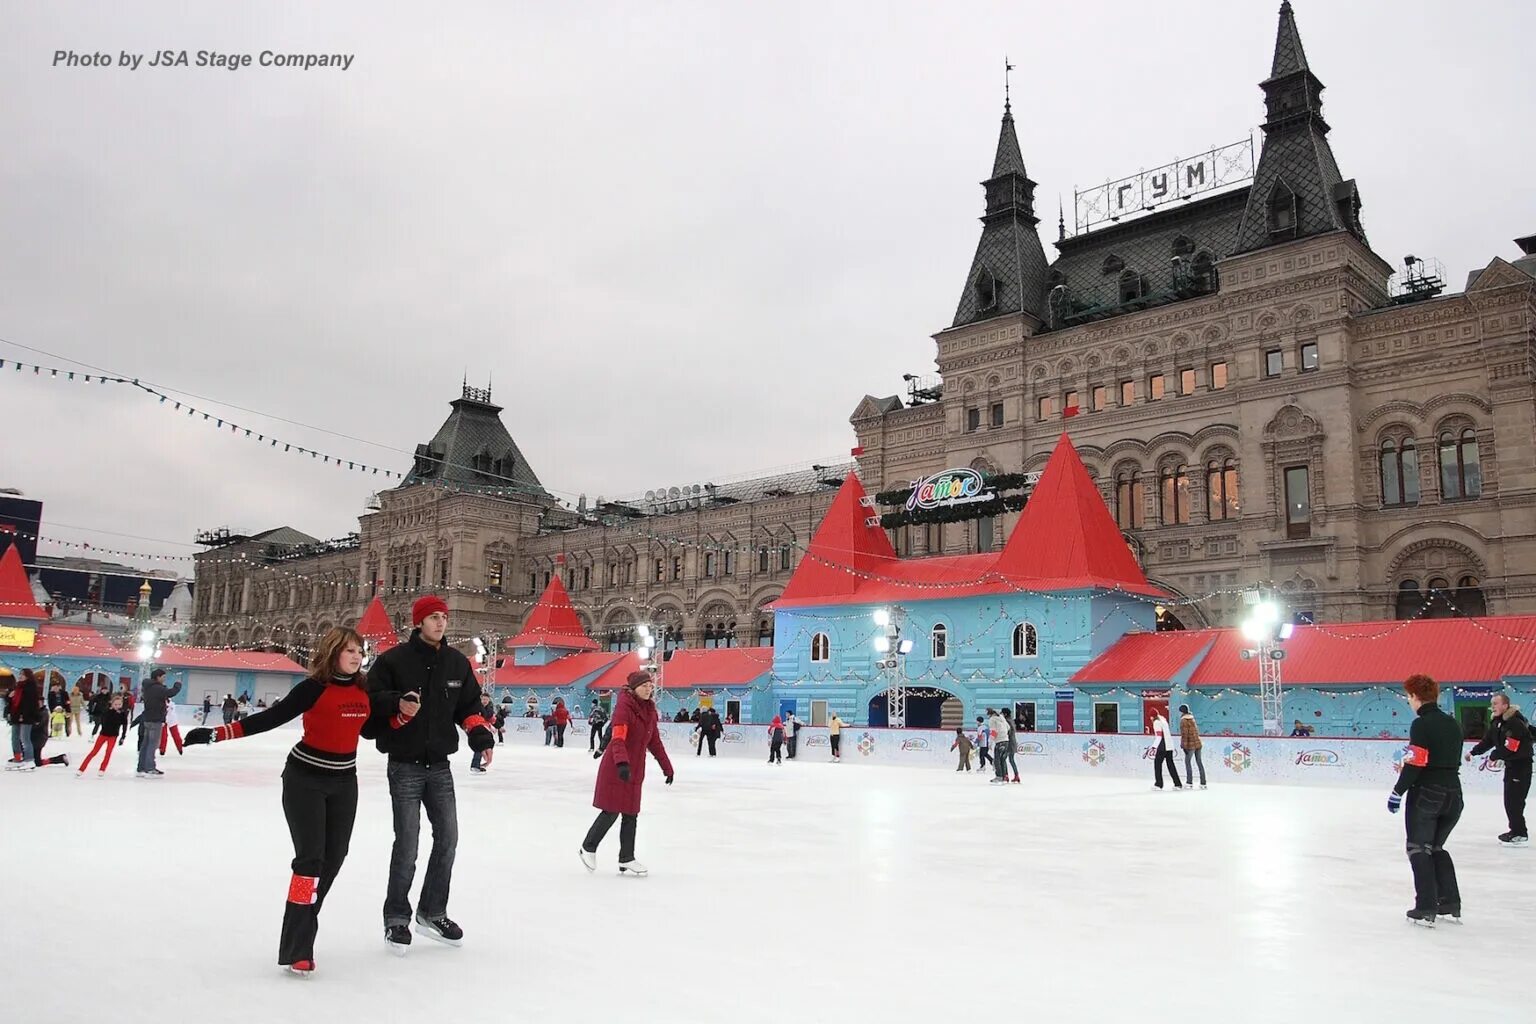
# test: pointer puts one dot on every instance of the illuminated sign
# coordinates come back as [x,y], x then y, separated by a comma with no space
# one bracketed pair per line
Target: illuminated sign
[1182,179]
[17,636]
[951,487]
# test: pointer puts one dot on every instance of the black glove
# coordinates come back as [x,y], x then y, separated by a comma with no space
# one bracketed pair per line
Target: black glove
[624,772]
[198,735]
[596,754]
[481,739]
[669,780]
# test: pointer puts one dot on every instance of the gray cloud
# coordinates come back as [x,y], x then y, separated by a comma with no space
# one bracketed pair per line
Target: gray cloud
[684,239]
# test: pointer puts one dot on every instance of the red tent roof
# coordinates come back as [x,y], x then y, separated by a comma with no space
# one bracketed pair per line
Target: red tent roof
[616,674]
[173,656]
[376,628]
[16,600]
[56,640]
[553,622]
[724,666]
[566,671]
[1147,657]
[1066,539]
[1481,650]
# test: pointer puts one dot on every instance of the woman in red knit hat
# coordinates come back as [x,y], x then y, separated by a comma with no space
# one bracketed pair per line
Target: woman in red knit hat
[622,772]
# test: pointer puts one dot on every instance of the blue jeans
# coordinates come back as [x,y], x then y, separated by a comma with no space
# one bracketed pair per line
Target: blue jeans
[21,743]
[149,744]
[412,787]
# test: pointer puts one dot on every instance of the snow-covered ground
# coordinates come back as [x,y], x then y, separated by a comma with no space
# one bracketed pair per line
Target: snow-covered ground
[807,892]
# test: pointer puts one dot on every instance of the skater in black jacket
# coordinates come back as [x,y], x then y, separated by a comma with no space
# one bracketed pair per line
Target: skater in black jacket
[1431,779]
[1509,741]
[113,723]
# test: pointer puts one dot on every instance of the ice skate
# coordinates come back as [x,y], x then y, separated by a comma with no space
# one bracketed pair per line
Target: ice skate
[441,929]
[398,938]
[1015,779]
[634,869]
[301,969]
[589,859]
[1422,918]
[1449,913]
[1511,841]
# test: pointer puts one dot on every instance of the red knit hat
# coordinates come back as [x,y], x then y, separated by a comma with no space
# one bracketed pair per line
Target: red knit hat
[639,679]
[425,606]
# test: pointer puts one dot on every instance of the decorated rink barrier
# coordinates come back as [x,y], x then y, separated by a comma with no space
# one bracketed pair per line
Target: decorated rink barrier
[1243,759]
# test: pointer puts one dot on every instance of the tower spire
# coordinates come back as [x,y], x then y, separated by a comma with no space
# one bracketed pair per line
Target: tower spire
[1007,99]
[1289,56]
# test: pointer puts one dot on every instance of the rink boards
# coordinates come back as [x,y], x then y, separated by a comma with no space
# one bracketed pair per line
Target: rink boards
[1310,761]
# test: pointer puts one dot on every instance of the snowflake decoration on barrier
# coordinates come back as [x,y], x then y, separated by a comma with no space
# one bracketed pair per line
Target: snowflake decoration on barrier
[1237,757]
[1094,752]
[866,744]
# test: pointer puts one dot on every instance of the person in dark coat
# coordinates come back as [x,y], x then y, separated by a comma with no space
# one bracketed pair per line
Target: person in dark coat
[229,707]
[596,719]
[776,741]
[621,775]
[25,710]
[562,716]
[1431,780]
[709,731]
[154,697]
[1509,741]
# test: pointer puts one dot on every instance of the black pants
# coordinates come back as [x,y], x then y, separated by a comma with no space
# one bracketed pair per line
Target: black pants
[986,756]
[320,807]
[39,739]
[600,827]
[792,741]
[775,752]
[1517,786]
[594,735]
[707,736]
[1164,754]
[837,745]
[1431,814]
[559,735]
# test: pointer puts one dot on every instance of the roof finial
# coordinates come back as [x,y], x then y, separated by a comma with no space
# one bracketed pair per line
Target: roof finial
[1007,97]
[1061,220]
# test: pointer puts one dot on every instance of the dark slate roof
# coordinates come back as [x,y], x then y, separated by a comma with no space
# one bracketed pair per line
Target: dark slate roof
[1146,245]
[1289,56]
[285,535]
[473,431]
[1009,254]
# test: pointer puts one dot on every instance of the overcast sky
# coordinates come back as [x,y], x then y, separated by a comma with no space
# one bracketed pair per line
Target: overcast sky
[682,239]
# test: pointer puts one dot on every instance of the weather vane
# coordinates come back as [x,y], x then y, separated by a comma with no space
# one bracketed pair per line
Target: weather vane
[1007,98]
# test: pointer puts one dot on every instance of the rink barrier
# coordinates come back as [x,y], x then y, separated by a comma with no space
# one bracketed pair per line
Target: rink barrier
[1308,761]
[1305,761]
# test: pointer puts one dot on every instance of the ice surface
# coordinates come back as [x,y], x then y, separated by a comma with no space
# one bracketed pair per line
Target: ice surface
[807,892]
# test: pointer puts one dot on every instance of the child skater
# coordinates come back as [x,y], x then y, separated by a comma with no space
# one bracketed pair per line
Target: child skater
[963,744]
[319,781]
[172,729]
[776,740]
[113,723]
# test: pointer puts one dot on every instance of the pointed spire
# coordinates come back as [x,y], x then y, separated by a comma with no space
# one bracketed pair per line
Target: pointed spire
[1061,219]
[1289,56]
[1008,160]
[16,600]
[553,622]
[1066,538]
[844,541]
[376,628]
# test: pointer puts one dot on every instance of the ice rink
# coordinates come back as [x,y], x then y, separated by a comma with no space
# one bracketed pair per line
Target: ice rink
[807,892]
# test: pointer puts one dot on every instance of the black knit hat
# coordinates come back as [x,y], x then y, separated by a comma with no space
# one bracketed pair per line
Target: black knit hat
[1183,709]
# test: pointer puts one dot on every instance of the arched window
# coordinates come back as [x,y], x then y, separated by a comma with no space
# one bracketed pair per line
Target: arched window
[728,635]
[1026,642]
[1173,495]
[1284,211]
[762,559]
[1399,473]
[821,647]
[1409,601]
[1438,599]
[785,558]
[1203,272]
[1469,597]
[1112,265]
[1130,286]
[1461,470]
[940,642]
[1221,490]
[986,289]
[1130,500]
[765,631]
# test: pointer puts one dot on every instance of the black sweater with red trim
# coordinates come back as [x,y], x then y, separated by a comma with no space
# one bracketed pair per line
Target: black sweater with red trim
[334,715]
[1434,751]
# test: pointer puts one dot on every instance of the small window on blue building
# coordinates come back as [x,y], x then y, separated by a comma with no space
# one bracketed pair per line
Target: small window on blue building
[821,648]
[1026,642]
[940,642]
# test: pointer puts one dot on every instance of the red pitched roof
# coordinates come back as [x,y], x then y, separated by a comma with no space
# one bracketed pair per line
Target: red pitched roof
[1066,539]
[843,541]
[616,674]
[566,671]
[16,600]
[725,666]
[553,622]
[60,641]
[1483,650]
[376,628]
[173,656]
[1146,657]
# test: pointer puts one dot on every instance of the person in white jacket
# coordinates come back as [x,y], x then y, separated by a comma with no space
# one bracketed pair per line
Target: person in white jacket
[1164,734]
[1000,734]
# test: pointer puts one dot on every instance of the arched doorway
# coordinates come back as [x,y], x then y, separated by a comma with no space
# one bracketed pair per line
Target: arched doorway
[927,708]
[1167,620]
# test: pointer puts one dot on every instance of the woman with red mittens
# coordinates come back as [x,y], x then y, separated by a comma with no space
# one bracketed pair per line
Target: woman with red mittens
[621,774]
[319,781]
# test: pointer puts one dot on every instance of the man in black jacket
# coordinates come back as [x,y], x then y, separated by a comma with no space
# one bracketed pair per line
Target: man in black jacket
[422,691]
[1509,741]
[152,701]
[1431,778]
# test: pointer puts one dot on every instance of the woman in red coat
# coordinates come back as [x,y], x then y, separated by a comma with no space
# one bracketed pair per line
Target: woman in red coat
[622,772]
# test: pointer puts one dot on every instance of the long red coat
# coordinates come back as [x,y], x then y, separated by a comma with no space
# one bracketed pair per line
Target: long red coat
[634,732]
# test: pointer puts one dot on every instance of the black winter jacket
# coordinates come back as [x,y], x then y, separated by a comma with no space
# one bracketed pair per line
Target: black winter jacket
[450,695]
[58,699]
[30,704]
[1497,742]
[152,700]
